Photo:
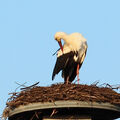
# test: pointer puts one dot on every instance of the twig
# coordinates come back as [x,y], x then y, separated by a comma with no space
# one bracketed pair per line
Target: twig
[53,112]
[56,52]
[29,87]
[95,83]
[20,85]
[36,114]
[32,117]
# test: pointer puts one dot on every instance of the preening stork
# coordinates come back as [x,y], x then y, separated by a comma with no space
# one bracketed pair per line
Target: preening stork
[70,56]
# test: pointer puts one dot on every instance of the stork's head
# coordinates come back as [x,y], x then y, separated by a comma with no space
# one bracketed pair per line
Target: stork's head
[58,36]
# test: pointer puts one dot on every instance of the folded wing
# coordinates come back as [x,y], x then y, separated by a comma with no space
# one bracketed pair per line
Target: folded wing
[61,62]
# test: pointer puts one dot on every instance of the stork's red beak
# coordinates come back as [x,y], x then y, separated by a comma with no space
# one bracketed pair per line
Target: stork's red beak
[60,44]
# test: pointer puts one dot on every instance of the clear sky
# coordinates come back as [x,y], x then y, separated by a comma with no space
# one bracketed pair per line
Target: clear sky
[27,29]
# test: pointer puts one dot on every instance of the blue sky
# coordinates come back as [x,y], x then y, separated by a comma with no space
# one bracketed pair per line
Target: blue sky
[27,29]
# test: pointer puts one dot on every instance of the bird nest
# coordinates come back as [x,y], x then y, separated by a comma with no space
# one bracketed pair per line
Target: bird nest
[64,92]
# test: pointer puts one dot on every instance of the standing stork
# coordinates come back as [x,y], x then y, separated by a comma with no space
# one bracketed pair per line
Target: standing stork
[70,56]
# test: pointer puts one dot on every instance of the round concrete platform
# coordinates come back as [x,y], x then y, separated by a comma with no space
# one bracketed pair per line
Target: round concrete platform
[91,109]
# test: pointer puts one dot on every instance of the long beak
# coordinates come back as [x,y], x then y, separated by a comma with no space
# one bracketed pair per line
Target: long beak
[60,44]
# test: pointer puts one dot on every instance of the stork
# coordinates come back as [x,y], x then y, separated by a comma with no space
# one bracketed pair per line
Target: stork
[70,56]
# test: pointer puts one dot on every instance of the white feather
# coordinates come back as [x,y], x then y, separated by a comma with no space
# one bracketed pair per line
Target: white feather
[73,42]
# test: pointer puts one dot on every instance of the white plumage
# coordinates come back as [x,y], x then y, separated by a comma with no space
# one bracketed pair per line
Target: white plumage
[71,56]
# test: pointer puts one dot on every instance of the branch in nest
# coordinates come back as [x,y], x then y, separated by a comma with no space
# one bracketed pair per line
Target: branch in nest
[29,87]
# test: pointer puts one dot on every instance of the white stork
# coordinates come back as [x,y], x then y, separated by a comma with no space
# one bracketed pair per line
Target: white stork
[71,55]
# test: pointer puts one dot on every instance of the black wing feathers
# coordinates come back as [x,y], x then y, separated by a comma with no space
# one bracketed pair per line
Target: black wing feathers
[68,65]
[61,63]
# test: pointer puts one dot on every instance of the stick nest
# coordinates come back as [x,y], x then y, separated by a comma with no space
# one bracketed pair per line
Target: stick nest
[57,92]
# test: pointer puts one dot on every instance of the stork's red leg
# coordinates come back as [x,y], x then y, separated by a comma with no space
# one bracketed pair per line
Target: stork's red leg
[78,67]
[67,81]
